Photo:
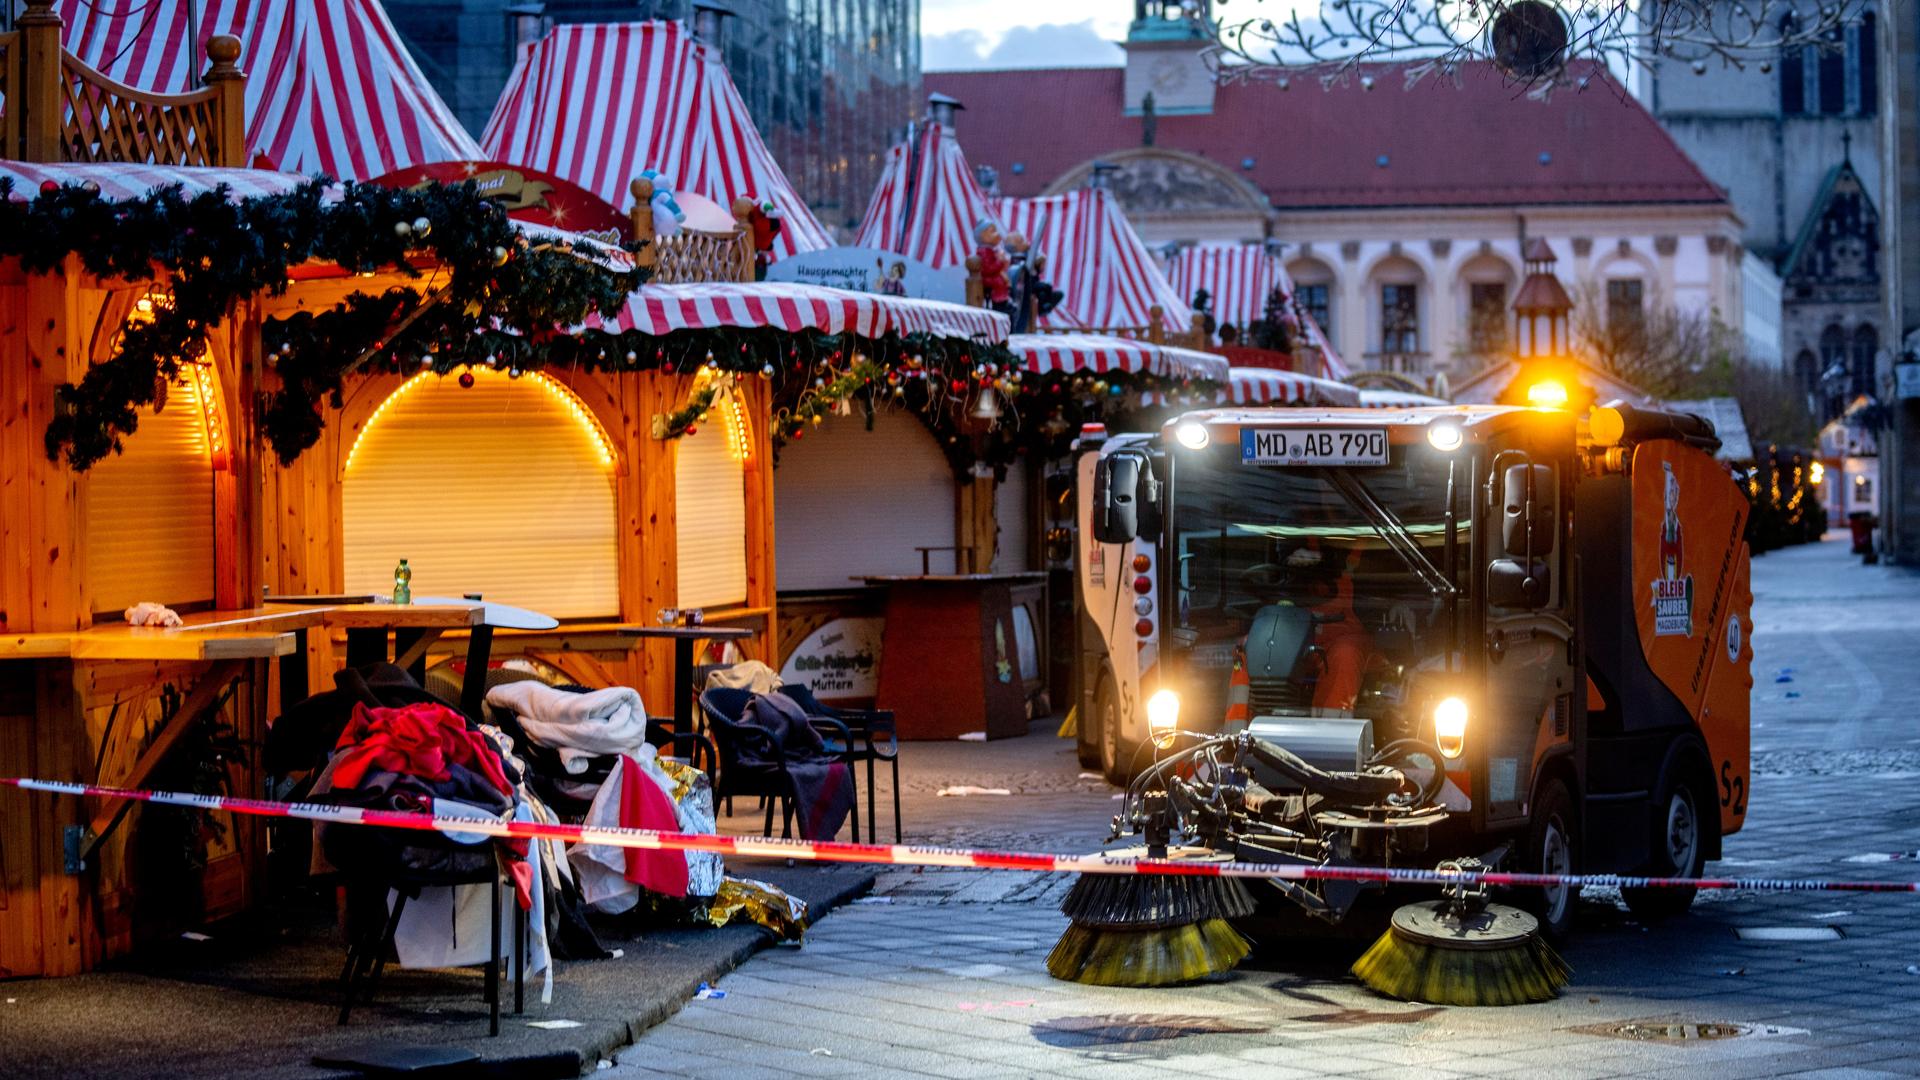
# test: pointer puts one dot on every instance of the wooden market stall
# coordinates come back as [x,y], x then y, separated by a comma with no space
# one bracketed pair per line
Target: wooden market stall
[173,519]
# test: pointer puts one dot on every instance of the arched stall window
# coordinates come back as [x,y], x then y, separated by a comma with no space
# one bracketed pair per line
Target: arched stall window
[149,510]
[710,515]
[503,488]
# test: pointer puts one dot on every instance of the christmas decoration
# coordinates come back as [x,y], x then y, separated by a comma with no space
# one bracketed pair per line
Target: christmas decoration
[493,294]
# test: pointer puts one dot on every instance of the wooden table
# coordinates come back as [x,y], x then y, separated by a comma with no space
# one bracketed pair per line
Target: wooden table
[416,626]
[684,639]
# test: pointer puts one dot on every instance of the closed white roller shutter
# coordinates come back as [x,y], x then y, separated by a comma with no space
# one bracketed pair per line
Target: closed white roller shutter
[710,514]
[1010,512]
[503,489]
[852,501]
[149,514]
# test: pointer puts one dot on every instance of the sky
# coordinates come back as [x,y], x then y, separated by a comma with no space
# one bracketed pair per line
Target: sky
[960,34]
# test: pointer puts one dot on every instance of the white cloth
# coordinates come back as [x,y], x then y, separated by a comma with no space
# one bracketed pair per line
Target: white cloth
[579,726]
[602,868]
[446,926]
[148,613]
[750,675]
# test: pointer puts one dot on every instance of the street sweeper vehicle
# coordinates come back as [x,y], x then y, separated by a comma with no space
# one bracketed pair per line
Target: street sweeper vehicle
[1429,638]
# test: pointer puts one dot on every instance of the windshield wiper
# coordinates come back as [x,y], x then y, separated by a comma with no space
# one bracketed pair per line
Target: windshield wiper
[1389,529]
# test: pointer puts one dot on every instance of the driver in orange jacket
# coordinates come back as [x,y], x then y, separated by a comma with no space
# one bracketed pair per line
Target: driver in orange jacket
[1345,645]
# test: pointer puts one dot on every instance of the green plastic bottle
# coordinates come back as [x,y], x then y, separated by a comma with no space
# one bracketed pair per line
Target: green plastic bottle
[403,583]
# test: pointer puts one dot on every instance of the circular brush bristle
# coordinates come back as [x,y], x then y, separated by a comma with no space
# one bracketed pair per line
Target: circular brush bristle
[1154,901]
[1159,957]
[1403,967]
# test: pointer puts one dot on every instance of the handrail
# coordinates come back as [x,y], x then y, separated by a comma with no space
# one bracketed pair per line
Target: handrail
[58,108]
[692,255]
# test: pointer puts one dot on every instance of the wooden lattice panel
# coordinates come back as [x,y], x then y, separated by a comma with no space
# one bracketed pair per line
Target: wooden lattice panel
[690,257]
[107,121]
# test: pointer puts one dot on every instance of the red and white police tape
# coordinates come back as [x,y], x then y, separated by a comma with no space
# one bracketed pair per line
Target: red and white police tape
[914,855]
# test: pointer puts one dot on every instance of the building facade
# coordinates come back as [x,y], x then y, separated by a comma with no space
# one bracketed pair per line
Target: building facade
[1899,447]
[827,82]
[1401,212]
[1792,139]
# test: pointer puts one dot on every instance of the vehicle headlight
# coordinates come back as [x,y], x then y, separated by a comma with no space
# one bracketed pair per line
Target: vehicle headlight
[1193,435]
[1445,435]
[1450,726]
[1163,714]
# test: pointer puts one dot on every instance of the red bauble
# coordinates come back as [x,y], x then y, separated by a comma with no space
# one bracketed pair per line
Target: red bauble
[466,380]
[693,429]
[48,187]
[959,385]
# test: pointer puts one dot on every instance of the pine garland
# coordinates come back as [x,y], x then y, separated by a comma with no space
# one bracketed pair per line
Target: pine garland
[212,253]
[491,299]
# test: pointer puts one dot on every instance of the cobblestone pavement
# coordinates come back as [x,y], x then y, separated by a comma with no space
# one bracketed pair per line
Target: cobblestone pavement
[942,973]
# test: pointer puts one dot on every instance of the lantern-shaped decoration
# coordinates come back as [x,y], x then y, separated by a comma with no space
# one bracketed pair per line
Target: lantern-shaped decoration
[1541,308]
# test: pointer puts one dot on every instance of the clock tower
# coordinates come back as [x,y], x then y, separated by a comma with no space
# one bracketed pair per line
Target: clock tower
[1166,57]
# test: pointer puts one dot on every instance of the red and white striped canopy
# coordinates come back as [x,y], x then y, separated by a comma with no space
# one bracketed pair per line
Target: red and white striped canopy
[1238,279]
[927,204]
[330,87]
[1397,399]
[122,181]
[1067,353]
[1271,386]
[661,309]
[1096,259]
[599,104]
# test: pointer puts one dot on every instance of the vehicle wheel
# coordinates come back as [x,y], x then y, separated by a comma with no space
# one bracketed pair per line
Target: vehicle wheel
[1550,850]
[1086,738]
[1116,753]
[1679,850]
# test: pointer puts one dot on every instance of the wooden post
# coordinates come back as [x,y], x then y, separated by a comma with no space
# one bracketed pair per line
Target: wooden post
[1157,325]
[40,82]
[976,288]
[642,218]
[743,240]
[229,85]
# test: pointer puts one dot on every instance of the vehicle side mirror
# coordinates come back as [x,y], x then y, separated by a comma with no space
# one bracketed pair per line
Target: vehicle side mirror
[1527,495]
[1511,584]
[1116,498]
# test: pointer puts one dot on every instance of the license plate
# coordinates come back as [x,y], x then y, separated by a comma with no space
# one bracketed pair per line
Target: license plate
[1313,446]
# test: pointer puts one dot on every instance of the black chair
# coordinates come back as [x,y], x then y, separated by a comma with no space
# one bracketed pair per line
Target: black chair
[866,727]
[725,709]
[371,926]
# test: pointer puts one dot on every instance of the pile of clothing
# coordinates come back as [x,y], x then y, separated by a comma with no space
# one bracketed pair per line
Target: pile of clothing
[378,740]
[593,747]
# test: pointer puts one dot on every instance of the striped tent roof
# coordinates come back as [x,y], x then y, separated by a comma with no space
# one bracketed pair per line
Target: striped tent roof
[598,104]
[120,181]
[1070,352]
[658,310]
[1238,278]
[927,203]
[1270,386]
[1096,259]
[330,87]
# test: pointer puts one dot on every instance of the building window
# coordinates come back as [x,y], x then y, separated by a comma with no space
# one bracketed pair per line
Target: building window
[1867,66]
[1399,318]
[1833,74]
[1862,491]
[1866,347]
[1626,305]
[1806,368]
[1316,302]
[1487,317]
[1793,72]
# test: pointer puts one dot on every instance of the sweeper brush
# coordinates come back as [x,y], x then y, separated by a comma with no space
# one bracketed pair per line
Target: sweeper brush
[1442,952]
[1150,930]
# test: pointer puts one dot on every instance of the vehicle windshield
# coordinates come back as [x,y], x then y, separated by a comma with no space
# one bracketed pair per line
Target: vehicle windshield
[1324,586]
